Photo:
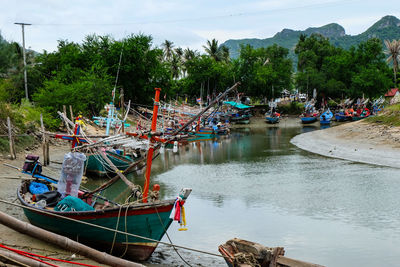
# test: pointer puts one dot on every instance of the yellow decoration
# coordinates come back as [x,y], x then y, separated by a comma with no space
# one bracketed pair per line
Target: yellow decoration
[183,222]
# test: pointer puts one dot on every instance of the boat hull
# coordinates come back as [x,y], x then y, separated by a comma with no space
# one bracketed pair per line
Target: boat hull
[146,220]
[96,165]
[272,120]
[306,120]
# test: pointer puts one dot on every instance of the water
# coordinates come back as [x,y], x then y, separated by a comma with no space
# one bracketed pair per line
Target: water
[255,185]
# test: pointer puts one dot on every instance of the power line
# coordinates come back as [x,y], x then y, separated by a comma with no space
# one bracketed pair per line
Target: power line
[331,3]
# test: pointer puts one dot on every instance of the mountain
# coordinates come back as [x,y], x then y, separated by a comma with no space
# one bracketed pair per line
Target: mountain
[386,28]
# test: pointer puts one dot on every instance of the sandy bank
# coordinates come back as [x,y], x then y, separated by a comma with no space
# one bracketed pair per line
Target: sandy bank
[355,141]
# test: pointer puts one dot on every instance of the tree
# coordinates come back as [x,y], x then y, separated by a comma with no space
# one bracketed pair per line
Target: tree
[212,49]
[393,50]
[168,49]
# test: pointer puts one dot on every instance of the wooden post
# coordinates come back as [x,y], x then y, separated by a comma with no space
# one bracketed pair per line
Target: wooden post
[72,114]
[45,145]
[11,140]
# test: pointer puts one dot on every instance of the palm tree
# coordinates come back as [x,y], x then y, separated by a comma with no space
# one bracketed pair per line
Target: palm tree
[175,66]
[393,50]
[189,54]
[168,49]
[212,49]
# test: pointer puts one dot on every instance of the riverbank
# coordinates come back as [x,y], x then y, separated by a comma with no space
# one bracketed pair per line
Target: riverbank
[360,141]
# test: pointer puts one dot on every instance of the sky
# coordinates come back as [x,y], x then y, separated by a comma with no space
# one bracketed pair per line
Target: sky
[185,23]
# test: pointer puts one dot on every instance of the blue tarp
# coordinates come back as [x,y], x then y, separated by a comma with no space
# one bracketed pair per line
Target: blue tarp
[236,105]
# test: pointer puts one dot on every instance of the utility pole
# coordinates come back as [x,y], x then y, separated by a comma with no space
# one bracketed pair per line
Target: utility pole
[24,55]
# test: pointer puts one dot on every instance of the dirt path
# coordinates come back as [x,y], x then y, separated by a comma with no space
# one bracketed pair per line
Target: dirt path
[355,141]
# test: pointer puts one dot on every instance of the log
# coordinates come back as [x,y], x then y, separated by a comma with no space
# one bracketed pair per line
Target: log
[64,242]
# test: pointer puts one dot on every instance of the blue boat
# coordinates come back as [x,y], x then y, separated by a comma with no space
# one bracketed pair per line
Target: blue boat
[326,117]
[307,120]
[271,119]
[341,116]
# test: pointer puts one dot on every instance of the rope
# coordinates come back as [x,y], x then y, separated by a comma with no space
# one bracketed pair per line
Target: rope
[25,253]
[108,229]
[170,241]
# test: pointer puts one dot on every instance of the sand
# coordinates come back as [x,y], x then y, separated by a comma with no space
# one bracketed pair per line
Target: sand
[355,141]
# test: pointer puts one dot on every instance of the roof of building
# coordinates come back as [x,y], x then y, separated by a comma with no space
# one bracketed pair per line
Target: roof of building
[392,92]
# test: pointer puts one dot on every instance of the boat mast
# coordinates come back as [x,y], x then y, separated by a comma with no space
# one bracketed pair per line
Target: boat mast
[151,144]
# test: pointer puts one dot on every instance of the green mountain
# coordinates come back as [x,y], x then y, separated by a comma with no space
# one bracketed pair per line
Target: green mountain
[386,28]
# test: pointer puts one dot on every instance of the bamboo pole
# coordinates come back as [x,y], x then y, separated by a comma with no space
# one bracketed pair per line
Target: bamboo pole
[64,242]
[11,140]
[19,260]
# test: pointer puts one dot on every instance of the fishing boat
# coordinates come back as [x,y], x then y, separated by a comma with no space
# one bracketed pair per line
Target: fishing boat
[243,253]
[240,113]
[96,165]
[361,114]
[309,115]
[343,116]
[326,117]
[148,220]
[272,117]
[309,118]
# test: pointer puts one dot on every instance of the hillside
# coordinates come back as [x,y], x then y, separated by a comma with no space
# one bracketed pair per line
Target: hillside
[386,28]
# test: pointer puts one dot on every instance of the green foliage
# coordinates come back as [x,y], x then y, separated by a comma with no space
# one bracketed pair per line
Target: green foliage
[337,73]
[292,108]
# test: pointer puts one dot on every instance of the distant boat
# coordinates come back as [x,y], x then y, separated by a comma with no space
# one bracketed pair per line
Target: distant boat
[342,116]
[361,114]
[272,117]
[309,118]
[326,117]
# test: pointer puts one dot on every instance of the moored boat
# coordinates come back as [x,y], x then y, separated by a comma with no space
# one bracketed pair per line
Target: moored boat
[326,117]
[147,220]
[309,119]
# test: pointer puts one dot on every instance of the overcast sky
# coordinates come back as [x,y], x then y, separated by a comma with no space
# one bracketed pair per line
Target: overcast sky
[186,23]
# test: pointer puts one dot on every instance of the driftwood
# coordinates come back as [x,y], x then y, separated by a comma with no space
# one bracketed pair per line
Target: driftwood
[64,242]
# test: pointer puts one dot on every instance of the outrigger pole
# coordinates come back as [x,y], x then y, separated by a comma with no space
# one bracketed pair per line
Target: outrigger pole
[205,109]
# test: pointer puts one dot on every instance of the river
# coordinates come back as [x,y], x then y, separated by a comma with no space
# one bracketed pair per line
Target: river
[255,185]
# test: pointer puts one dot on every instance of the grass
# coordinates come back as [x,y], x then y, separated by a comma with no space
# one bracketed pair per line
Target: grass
[21,143]
[389,116]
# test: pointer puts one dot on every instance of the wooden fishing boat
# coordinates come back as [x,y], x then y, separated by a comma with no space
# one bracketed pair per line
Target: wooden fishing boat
[308,119]
[341,116]
[95,164]
[149,220]
[361,114]
[243,253]
[326,117]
